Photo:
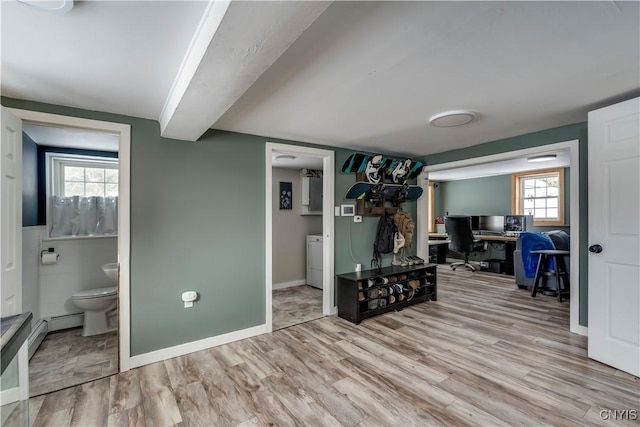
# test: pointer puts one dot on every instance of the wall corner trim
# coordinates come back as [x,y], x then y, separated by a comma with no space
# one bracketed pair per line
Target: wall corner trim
[192,347]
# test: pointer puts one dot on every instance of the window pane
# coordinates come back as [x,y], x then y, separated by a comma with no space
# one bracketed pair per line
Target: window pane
[540,203]
[95,175]
[528,203]
[529,183]
[552,213]
[541,192]
[111,190]
[73,189]
[539,213]
[552,202]
[552,191]
[95,189]
[529,192]
[111,175]
[541,183]
[72,173]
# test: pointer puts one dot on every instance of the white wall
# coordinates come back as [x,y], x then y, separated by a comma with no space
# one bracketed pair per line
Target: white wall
[78,268]
[31,271]
[290,230]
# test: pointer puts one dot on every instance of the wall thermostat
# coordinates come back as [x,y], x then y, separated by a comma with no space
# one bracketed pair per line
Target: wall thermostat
[348,210]
[188,298]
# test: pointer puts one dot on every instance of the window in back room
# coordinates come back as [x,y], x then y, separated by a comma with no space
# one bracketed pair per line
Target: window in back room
[82,195]
[541,194]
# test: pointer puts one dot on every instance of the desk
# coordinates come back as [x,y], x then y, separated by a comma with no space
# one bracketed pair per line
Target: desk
[438,250]
[508,241]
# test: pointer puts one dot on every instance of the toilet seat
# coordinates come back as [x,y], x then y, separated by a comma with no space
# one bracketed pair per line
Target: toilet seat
[96,293]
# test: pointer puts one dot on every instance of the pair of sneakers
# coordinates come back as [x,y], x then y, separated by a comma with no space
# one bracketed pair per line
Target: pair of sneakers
[378,280]
[377,303]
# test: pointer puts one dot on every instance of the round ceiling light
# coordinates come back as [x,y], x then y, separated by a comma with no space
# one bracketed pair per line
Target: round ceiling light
[452,118]
[542,158]
[285,157]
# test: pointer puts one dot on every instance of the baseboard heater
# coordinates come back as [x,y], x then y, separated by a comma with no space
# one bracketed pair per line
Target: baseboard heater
[37,335]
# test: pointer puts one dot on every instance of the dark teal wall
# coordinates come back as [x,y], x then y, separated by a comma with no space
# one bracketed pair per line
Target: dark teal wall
[29,181]
[550,136]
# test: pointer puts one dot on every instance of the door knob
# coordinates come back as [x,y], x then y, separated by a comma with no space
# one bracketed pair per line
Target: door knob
[596,249]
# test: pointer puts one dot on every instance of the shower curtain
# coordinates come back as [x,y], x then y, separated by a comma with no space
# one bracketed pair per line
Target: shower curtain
[83,216]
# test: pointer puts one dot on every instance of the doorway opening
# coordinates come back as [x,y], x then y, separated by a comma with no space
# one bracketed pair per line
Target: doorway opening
[311,225]
[45,129]
[572,147]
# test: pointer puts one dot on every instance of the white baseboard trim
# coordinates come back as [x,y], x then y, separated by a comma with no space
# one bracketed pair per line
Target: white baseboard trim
[191,347]
[289,284]
[580,330]
[9,396]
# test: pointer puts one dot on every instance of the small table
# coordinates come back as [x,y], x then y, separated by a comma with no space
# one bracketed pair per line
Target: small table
[560,271]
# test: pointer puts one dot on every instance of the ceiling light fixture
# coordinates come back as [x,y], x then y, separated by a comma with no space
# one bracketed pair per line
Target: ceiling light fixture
[53,6]
[452,118]
[285,157]
[542,158]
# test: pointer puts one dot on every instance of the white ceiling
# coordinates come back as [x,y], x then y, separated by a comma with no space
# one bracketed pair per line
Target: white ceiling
[503,167]
[358,75]
[72,137]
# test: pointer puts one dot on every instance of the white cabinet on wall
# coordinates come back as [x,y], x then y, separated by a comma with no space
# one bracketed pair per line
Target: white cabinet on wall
[314,261]
[311,195]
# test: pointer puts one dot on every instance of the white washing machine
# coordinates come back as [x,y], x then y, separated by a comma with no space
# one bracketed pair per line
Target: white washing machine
[314,261]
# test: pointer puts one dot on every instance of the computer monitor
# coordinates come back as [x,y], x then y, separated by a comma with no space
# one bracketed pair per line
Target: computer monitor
[517,222]
[492,223]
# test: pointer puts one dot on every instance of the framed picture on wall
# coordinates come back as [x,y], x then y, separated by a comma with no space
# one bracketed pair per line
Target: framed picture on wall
[286,195]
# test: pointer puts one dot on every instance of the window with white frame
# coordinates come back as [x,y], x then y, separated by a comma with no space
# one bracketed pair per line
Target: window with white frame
[541,194]
[82,195]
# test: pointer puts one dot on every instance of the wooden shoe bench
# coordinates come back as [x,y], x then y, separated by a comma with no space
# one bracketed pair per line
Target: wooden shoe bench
[354,301]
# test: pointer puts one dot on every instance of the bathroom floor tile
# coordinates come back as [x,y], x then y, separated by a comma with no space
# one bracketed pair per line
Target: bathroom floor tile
[294,305]
[66,358]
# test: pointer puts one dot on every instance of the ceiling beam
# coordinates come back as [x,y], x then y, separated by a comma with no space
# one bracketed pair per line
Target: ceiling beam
[233,45]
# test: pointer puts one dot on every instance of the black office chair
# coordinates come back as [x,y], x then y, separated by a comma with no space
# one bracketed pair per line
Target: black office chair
[458,227]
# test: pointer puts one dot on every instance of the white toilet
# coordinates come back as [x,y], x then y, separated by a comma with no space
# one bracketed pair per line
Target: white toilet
[96,304]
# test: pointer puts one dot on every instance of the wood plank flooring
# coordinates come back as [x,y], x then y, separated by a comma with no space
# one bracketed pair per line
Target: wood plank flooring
[485,353]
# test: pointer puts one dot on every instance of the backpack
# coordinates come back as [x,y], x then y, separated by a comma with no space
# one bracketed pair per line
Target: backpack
[383,244]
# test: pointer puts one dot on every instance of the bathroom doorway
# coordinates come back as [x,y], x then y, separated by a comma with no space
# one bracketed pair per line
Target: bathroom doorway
[60,356]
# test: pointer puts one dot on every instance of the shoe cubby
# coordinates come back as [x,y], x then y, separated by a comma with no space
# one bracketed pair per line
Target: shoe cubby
[364,294]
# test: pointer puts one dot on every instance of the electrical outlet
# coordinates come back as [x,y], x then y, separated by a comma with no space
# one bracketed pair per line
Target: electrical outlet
[357,218]
[188,298]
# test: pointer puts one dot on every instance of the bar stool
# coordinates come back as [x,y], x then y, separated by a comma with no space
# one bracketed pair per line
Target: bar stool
[559,271]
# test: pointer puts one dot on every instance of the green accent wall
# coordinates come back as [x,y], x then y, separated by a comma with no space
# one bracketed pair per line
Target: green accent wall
[197,223]
[550,136]
[480,196]
[354,241]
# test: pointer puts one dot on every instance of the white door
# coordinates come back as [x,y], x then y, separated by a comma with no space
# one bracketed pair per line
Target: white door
[11,213]
[614,236]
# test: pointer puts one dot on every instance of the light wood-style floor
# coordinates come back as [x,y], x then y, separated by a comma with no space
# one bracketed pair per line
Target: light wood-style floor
[485,353]
[66,358]
[294,305]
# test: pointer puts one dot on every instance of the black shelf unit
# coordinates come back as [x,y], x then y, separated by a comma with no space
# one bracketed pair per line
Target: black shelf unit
[358,301]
